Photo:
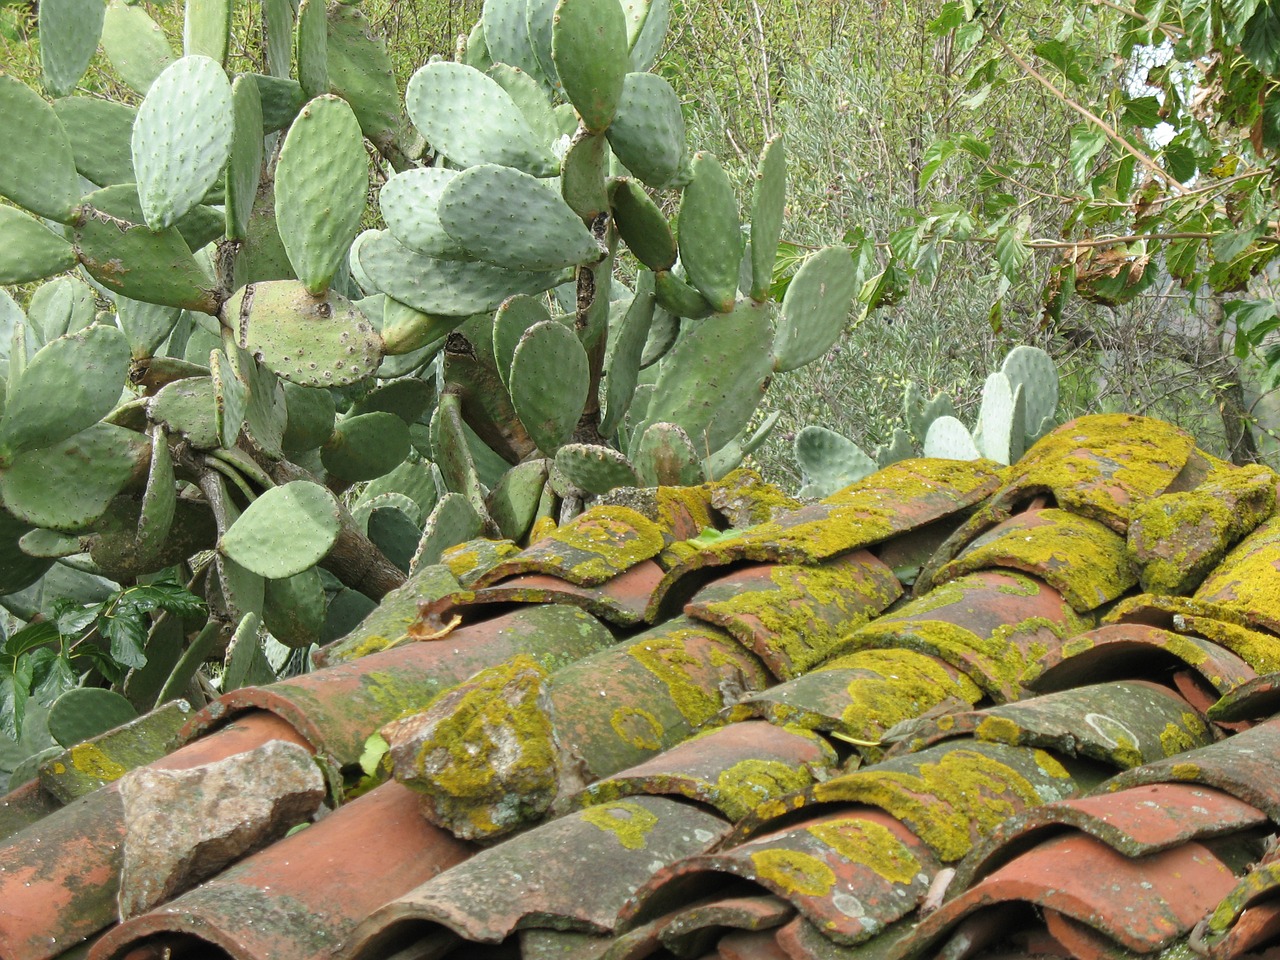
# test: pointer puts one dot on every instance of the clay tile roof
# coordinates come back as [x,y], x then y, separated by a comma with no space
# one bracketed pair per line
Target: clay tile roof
[952,711]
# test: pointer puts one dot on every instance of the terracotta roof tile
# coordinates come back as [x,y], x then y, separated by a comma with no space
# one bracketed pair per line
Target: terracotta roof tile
[926,804]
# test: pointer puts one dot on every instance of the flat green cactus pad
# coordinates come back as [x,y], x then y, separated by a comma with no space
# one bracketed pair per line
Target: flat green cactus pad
[69,32]
[410,335]
[29,250]
[665,456]
[768,203]
[949,439]
[37,165]
[549,383]
[146,325]
[647,22]
[310,340]
[447,288]
[829,461]
[452,521]
[711,243]
[69,385]
[311,48]
[714,377]
[285,531]
[366,446]
[84,712]
[647,132]
[135,45]
[294,608]
[589,48]
[100,132]
[360,72]
[244,166]
[514,317]
[311,417]
[515,221]
[540,16]
[513,504]
[626,351]
[188,407]
[122,254]
[530,96]
[594,468]
[642,225]
[60,306]
[230,396]
[471,119]
[68,485]
[815,308]
[410,203]
[181,138]
[506,34]
[321,180]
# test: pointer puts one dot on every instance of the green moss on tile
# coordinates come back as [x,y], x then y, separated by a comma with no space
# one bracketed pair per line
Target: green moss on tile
[871,844]
[637,727]
[999,730]
[748,783]
[793,872]
[667,659]
[1185,771]
[629,823]
[1260,650]
[1176,739]
[89,760]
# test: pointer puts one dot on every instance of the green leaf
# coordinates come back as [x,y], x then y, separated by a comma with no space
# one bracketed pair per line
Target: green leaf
[15,689]
[1012,250]
[1086,142]
[30,637]
[1142,112]
[126,631]
[1260,41]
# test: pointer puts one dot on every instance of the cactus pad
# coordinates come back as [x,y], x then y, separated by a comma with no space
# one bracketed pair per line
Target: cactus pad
[360,72]
[230,397]
[625,353]
[646,30]
[829,462]
[583,176]
[513,220]
[678,297]
[366,446]
[948,438]
[540,16]
[188,407]
[514,317]
[135,45]
[310,418]
[647,132]
[69,32]
[407,333]
[84,712]
[513,504]
[530,97]
[642,226]
[506,35]
[69,485]
[768,203]
[589,48]
[410,203]
[452,521]
[29,250]
[310,48]
[321,180]
[714,377]
[244,166]
[37,166]
[815,308]
[69,385]
[593,468]
[449,288]
[309,340]
[1033,370]
[711,243]
[469,118]
[286,530]
[181,138]
[548,383]
[665,456]
[206,29]
[293,608]
[100,133]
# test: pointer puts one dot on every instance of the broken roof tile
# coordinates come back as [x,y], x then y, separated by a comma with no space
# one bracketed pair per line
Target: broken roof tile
[696,930]
[1164,894]
[1082,559]
[301,898]
[861,695]
[1178,538]
[994,625]
[849,872]
[588,550]
[791,615]
[1121,723]
[537,878]
[1135,822]
[1122,651]
[733,768]
[1100,466]
[337,709]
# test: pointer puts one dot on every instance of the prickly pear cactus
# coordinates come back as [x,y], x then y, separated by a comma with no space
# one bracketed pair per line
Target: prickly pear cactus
[230,354]
[1019,404]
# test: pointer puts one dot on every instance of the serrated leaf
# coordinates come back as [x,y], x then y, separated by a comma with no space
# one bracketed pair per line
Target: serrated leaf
[1012,251]
[1087,142]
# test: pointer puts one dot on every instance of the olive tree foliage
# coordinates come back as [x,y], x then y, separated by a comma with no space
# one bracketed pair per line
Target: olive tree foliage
[1166,185]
